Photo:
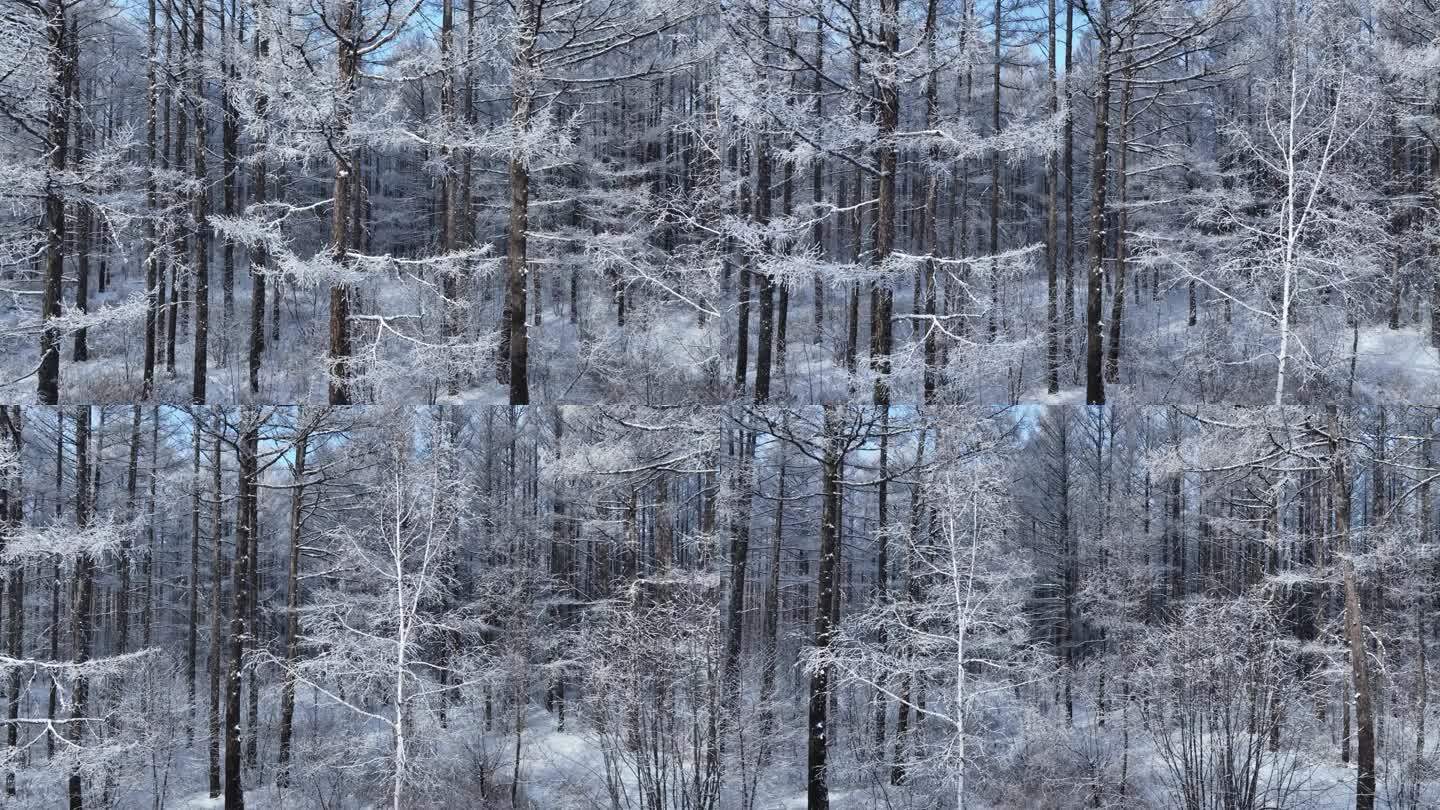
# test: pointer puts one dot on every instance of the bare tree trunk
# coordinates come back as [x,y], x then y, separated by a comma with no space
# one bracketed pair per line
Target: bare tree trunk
[81,620]
[292,617]
[817,173]
[994,314]
[229,140]
[152,270]
[1069,172]
[1354,626]
[217,609]
[83,214]
[450,217]
[931,232]
[1117,300]
[242,582]
[766,327]
[340,370]
[13,503]
[55,577]
[817,785]
[192,641]
[122,597]
[739,565]
[1052,183]
[888,119]
[57,117]
[772,612]
[524,74]
[260,188]
[200,367]
[1095,277]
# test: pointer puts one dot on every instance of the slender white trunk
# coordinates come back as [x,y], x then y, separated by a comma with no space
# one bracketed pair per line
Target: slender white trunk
[962,622]
[1284,336]
[401,633]
[1292,233]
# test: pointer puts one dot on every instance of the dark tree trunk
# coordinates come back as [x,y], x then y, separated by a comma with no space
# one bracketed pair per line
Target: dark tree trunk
[82,628]
[817,786]
[340,371]
[292,617]
[57,117]
[200,369]
[1095,276]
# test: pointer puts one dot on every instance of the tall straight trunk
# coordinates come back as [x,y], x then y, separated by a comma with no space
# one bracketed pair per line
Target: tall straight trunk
[817,174]
[1355,633]
[782,292]
[1052,182]
[192,642]
[911,683]
[217,605]
[772,611]
[147,619]
[466,232]
[1095,275]
[55,578]
[260,189]
[1117,299]
[1068,168]
[252,522]
[744,289]
[1398,220]
[57,119]
[200,350]
[882,566]
[81,620]
[739,565]
[931,232]
[152,270]
[523,77]
[995,182]
[179,237]
[292,617]
[83,214]
[229,144]
[887,119]
[818,729]
[132,482]
[449,215]
[766,281]
[348,80]
[241,582]
[1435,250]
[10,518]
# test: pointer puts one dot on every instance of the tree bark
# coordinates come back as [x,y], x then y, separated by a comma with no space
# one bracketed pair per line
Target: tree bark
[1354,625]
[1095,277]
[200,350]
[82,628]
[242,581]
[57,140]
[292,616]
[340,370]
[523,76]
[217,605]
[1117,299]
[83,214]
[1052,183]
[12,503]
[152,270]
[817,786]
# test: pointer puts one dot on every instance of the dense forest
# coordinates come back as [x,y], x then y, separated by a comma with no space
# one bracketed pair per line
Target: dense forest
[720,405]
[660,201]
[741,607]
